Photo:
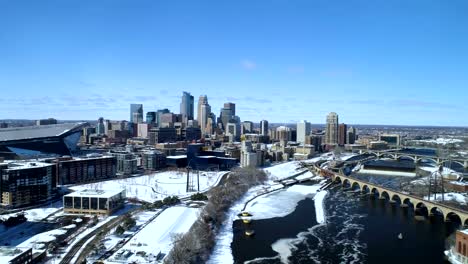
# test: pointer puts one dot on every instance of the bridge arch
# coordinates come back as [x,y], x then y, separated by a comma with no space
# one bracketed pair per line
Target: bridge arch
[387,155]
[396,198]
[365,189]
[437,212]
[454,217]
[466,222]
[398,157]
[422,209]
[429,159]
[337,179]
[375,192]
[346,183]
[385,195]
[355,186]
[408,202]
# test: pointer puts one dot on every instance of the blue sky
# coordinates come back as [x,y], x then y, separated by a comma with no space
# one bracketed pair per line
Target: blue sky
[372,62]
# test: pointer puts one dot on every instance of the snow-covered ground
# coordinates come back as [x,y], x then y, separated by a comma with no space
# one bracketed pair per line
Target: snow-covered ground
[38,241]
[445,171]
[112,239]
[284,170]
[85,230]
[156,237]
[156,186]
[441,141]
[456,197]
[38,214]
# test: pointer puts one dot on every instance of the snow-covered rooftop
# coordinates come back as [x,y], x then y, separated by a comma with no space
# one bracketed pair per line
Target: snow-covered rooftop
[177,157]
[206,157]
[95,193]
[21,165]
[9,253]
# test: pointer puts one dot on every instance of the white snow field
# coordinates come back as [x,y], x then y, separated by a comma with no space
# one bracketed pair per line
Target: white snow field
[456,197]
[158,185]
[38,214]
[156,237]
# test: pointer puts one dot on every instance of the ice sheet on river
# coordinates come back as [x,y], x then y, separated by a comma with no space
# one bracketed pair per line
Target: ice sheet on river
[280,203]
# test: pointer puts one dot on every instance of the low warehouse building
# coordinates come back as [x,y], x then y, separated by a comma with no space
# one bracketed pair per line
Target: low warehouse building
[93,201]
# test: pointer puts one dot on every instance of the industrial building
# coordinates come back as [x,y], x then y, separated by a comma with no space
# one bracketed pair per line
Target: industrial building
[93,201]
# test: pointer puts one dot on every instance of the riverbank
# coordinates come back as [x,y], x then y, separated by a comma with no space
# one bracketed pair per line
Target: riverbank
[276,204]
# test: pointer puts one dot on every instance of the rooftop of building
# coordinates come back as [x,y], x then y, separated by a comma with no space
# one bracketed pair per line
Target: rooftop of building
[22,164]
[95,193]
[177,157]
[206,157]
[30,132]
[90,157]
[9,253]
[464,231]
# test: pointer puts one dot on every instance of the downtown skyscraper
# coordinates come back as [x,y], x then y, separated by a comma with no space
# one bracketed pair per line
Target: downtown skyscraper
[203,112]
[186,106]
[227,114]
[136,113]
[303,129]
[331,129]
[264,128]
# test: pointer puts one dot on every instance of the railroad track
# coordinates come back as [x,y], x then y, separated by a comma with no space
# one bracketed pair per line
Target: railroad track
[78,245]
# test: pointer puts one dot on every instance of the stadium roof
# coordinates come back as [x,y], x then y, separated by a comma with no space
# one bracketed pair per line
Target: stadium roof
[31,132]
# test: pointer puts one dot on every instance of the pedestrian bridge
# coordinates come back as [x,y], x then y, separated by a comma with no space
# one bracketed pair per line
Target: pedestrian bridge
[449,213]
[394,154]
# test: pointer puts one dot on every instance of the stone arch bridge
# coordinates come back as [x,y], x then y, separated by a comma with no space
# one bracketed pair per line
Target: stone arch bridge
[448,212]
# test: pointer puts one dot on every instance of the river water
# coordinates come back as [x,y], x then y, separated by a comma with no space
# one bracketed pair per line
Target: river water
[358,229]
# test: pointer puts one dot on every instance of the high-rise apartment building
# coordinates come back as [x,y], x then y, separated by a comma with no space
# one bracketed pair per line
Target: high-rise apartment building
[331,129]
[342,130]
[264,128]
[303,130]
[186,106]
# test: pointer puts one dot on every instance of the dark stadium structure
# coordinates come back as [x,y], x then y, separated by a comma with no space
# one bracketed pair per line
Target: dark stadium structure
[40,141]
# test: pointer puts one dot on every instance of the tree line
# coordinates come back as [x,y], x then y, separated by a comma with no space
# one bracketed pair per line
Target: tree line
[196,245]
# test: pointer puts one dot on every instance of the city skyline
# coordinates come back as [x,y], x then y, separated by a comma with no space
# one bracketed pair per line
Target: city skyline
[398,64]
